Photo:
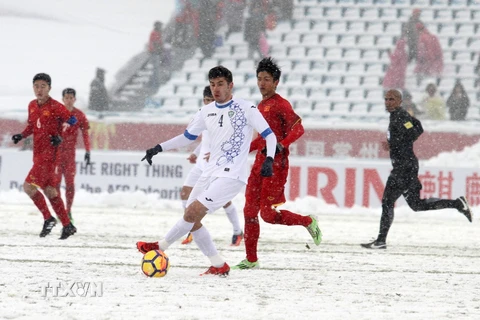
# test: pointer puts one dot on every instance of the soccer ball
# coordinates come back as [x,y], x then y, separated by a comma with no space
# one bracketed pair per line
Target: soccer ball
[155,263]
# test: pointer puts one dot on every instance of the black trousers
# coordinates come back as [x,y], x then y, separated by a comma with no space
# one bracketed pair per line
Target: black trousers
[404,181]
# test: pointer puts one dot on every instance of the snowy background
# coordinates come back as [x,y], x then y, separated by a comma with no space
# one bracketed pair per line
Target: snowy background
[69,40]
[429,271]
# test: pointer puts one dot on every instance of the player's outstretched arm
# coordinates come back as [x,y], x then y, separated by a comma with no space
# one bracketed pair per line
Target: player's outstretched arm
[174,143]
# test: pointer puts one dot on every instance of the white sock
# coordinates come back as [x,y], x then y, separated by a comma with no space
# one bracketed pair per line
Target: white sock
[180,229]
[217,261]
[232,215]
[204,242]
[184,204]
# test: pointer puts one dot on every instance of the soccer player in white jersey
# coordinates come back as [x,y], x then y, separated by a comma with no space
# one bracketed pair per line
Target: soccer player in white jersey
[200,158]
[230,124]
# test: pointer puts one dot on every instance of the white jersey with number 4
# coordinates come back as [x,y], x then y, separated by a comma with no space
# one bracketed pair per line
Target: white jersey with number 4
[230,128]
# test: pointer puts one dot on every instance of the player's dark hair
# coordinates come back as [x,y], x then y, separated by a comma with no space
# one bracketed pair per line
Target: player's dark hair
[270,66]
[207,92]
[69,91]
[219,72]
[43,76]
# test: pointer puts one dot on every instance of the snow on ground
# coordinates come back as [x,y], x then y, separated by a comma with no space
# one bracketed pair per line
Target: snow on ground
[429,271]
[69,40]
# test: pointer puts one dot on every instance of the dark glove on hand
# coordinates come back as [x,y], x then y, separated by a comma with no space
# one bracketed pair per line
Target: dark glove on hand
[151,152]
[87,158]
[267,167]
[55,140]
[16,138]
[278,149]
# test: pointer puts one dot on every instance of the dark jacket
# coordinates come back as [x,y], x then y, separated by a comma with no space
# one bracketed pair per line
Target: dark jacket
[98,96]
[254,26]
[458,106]
[403,130]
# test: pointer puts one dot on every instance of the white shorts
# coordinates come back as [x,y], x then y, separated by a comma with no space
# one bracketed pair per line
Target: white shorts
[193,177]
[215,192]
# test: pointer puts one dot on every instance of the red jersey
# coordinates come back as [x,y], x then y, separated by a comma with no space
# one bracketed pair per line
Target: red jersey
[284,122]
[44,122]
[70,135]
[155,42]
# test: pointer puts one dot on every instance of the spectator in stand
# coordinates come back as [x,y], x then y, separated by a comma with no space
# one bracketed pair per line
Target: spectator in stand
[395,75]
[186,24]
[433,104]
[458,103]
[284,8]
[477,82]
[409,105]
[429,54]
[234,15]
[98,100]
[254,28]
[155,44]
[155,48]
[411,33]
[208,25]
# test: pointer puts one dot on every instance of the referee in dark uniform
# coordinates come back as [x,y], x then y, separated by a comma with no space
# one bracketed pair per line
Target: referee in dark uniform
[403,130]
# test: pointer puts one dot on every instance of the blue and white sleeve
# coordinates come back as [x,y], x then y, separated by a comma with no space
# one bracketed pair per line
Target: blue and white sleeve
[191,134]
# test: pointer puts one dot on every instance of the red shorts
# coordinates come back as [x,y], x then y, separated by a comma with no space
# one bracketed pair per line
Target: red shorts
[67,167]
[268,191]
[43,174]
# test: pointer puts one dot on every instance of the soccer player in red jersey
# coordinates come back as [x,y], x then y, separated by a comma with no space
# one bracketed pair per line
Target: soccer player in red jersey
[46,120]
[265,194]
[66,160]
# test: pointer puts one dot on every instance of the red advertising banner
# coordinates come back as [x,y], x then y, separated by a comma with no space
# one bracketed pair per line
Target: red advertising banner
[343,183]
[330,142]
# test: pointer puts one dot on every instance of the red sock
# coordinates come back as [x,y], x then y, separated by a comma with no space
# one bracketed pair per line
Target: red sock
[252,233]
[39,201]
[59,208]
[292,219]
[69,194]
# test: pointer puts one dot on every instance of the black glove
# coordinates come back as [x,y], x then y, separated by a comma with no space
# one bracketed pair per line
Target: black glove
[279,148]
[16,138]
[87,158]
[55,140]
[151,152]
[267,167]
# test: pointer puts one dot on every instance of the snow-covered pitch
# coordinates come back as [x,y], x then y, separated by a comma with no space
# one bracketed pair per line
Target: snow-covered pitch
[429,271]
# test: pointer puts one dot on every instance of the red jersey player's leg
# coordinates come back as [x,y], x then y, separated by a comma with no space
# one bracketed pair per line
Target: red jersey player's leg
[36,196]
[58,204]
[273,194]
[250,211]
[69,171]
[36,179]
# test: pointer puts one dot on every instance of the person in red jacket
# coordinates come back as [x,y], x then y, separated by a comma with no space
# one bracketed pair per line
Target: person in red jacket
[46,120]
[396,72]
[66,160]
[155,44]
[265,194]
[155,48]
[429,55]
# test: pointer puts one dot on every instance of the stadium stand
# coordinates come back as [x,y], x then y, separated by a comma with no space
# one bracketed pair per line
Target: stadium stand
[334,56]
